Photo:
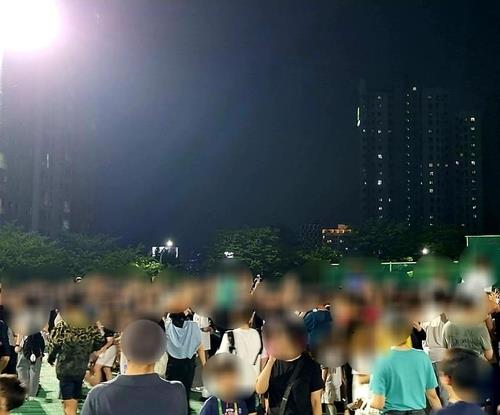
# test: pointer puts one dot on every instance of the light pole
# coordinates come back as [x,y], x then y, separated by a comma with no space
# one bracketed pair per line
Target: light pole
[168,245]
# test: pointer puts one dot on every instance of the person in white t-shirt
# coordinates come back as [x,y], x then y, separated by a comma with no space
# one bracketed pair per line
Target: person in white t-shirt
[435,347]
[245,343]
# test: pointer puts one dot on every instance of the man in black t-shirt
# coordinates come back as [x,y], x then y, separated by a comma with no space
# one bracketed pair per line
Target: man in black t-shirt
[291,379]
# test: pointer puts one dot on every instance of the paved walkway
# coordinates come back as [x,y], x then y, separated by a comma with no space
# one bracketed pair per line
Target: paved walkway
[48,403]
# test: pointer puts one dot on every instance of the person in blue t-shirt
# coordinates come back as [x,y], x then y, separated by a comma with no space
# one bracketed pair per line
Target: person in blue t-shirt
[402,380]
[468,378]
[222,377]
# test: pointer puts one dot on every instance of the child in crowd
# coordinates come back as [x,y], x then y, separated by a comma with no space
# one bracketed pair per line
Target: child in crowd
[12,394]
[466,377]
[222,380]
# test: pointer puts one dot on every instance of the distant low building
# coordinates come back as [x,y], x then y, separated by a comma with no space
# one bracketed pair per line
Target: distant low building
[336,237]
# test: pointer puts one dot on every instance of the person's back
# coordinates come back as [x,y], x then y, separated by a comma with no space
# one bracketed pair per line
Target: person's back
[474,337]
[136,395]
[318,323]
[141,390]
[247,344]
[72,347]
[403,377]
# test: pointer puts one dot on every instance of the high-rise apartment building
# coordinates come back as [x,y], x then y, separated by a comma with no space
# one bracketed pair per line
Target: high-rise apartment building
[47,141]
[411,140]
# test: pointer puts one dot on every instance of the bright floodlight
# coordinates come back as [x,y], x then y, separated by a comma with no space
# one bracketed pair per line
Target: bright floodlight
[425,250]
[28,24]
[170,244]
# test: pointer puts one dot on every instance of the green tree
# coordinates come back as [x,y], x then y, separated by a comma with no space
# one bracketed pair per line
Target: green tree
[26,255]
[443,240]
[321,253]
[396,241]
[259,248]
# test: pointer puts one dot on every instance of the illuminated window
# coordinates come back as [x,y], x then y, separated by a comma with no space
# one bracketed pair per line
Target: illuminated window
[379,156]
[379,182]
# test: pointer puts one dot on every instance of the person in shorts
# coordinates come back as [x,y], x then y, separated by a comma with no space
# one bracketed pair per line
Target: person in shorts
[70,347]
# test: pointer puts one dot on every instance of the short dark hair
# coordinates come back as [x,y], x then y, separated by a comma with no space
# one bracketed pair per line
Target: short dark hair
[466,370]
[12,391]
[143,341]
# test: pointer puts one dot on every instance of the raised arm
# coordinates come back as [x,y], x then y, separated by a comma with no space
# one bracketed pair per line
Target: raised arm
[262,384]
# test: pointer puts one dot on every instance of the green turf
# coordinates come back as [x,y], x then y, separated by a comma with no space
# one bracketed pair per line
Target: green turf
[47,402]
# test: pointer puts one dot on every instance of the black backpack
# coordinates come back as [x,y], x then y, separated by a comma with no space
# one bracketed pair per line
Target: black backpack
[33,344]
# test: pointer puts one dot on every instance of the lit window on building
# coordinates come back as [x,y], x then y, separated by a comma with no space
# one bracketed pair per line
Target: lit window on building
[47,160]
[431,190]
[414,88]
[472,119]
[379,156]
[380,208]
[473,162]
[65,224]
[379,182]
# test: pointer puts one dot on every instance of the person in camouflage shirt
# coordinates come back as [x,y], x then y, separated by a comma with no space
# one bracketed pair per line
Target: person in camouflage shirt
[70,347]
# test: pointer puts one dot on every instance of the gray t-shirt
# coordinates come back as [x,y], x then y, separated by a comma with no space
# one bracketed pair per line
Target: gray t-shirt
[475,337]
[136,395]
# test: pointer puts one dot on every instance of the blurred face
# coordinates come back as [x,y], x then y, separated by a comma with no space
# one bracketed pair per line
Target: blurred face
[226,384]
[280,345]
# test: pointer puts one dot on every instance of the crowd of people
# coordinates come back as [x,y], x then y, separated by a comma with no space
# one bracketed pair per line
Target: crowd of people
[285,362]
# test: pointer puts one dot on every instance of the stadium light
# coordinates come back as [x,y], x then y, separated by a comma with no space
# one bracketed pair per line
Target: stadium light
[425,250]
[27,25]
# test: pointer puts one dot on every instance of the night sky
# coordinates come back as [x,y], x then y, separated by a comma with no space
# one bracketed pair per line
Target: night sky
[224,113]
